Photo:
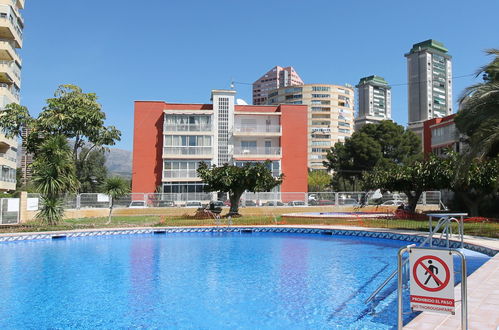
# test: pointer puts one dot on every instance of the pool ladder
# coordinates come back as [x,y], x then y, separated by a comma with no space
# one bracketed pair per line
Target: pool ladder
[445,224]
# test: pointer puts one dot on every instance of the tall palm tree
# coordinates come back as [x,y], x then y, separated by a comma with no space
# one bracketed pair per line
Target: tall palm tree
[53,176]
[114,187]
[479,114]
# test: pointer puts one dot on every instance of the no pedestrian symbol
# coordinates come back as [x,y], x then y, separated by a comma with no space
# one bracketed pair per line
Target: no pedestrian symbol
[432,280]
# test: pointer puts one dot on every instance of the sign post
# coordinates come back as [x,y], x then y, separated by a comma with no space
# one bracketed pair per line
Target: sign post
[432,280]
[431,275]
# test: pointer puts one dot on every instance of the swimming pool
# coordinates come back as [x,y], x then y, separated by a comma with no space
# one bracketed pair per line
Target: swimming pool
[199,280]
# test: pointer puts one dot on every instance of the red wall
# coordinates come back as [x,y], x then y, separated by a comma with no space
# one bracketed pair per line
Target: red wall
[294,146]
[444,121]
[147,146]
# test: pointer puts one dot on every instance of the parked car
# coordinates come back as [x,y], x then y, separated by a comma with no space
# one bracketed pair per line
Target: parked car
[393,202]
[348,202]
[273,203]
[163,204]
[137,205]
[219,204]
[249,203]
[193,204]
[325,202]
[297,203]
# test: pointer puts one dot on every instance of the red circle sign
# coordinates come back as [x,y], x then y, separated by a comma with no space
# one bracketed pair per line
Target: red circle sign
[442,284]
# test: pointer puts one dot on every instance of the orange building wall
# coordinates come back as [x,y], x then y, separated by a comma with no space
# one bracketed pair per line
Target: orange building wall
[147,146]
[294,148]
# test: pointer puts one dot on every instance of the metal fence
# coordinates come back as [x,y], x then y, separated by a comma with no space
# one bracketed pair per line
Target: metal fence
[248,199]
[9,211]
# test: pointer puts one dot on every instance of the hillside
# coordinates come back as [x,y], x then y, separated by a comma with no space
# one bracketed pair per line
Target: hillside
[119,162]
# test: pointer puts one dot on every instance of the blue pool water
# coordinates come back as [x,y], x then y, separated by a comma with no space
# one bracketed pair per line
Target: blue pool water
[199,280]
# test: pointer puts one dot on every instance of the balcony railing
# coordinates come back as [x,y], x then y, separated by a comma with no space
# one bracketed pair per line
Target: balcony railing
[257,129]
[187,128]
[249,151]
[188,150]
[8,157]
[13,67]
[16,27]
[175,174]
[11,89]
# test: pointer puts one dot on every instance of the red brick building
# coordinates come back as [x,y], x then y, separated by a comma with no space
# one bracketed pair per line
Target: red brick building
[171,139]
[440,134]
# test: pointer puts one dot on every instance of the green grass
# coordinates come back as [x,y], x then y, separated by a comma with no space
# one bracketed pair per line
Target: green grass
[475,229]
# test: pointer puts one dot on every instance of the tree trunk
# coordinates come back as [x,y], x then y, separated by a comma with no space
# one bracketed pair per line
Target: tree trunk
[234,203]
[471,204]
[413,198]
[110,212]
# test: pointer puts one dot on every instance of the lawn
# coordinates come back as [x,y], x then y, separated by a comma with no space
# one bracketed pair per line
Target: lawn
[476,229]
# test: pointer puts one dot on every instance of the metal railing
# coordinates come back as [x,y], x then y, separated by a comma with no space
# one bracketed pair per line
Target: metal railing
[271,151]
[257,199]
[257,129]
[187,150]
[187,128]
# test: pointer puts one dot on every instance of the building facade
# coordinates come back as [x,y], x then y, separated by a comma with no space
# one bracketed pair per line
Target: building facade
[330,115]
[429,69]
[375,101]
[170,140]
[11,39]
[440,135]
[275,78]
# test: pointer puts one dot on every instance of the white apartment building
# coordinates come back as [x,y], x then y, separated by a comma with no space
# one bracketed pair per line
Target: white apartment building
[11,39]
[330,115]
[375,101]
[430,83]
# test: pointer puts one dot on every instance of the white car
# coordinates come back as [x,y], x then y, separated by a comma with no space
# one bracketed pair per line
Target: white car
[137,205]
[393,202]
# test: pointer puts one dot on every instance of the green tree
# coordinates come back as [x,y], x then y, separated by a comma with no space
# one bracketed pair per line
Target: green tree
[478,118]
[374,145]
[477,183]
[70,113]
[92,171]
[236,180]
[412,179]
[114,187]
[53,176]
[318,181]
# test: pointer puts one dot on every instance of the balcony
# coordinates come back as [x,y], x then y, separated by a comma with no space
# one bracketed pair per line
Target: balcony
[179,174]
[257,130]
[11,30]
[10,92]
[257,152]
[10,72]
[8,52]
[188,152]
[187,128]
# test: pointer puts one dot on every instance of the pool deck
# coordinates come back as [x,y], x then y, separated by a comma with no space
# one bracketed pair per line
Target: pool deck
[483,284]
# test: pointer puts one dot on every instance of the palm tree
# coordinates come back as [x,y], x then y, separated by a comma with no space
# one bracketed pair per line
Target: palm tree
[114,187]
[53,176]
[479,114]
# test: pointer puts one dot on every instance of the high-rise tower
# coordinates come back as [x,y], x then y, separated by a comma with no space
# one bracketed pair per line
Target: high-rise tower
[375,101]
[11,39]
[277,77]
[430,82]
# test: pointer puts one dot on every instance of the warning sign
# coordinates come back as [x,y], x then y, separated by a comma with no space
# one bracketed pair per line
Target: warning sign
[432,280]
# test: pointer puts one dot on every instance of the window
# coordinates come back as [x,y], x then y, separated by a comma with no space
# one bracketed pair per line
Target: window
[193,123]
[321,88]
[317,96]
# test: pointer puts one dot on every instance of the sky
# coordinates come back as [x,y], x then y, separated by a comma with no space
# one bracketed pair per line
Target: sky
[179,50]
